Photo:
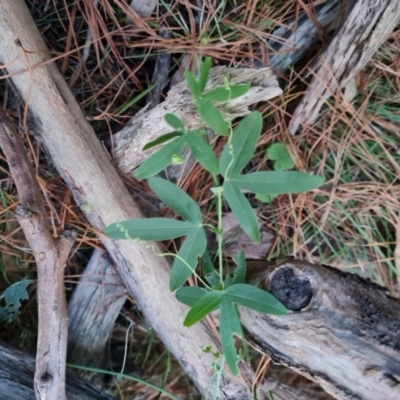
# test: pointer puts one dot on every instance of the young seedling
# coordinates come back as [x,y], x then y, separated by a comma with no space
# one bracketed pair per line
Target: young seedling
[220,289]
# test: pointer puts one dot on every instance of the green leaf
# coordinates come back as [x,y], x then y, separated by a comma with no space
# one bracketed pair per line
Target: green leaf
[192,248]
[278,153]
[11,300]
[243,211]
[265,197]
[194,86]
[208,270]
[159,160]
[206,304]
[212,116]
[162,139]
[204,72]
[225,93]
[241,145]
[240,272]
[176,199]
[189,295]
[202,152]
[150,229]
[229,324]
[174,121]
[255,298]
[278,182]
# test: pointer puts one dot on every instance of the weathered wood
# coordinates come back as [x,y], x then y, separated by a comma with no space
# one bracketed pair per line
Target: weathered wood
[92,309]
[17,369]
[365,28]
[342,332]
[51,255]
[290,42]
[99,191]
[143,128]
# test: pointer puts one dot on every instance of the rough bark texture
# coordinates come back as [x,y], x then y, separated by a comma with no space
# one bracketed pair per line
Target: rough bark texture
[364,29]
[342,331]
[16,378]
[93,309]
[147,126]
[51,255]
[99,191]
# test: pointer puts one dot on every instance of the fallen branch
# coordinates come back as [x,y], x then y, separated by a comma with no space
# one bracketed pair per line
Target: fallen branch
[146,127]
[364,29]
[17,369]
[93,308]
[342,332]
[99,191]
[51,256]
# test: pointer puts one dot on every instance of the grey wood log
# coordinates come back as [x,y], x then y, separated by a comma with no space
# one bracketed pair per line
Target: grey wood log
[17,369]
[366,26]
[342,332]
[149,125]
[92,310]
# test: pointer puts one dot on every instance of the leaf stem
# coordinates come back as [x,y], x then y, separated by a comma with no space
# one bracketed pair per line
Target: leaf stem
[219,211]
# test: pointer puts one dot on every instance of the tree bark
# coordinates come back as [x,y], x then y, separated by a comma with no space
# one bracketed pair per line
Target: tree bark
[99,191]
[342,332]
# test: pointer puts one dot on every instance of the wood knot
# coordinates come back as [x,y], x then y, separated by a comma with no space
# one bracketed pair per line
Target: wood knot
[292,291]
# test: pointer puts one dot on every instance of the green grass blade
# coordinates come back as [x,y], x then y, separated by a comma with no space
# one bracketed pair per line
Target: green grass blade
[149,229]
[240,148]
[189,295]
[229,324]
[161,139]
[186,262]
[213,117]
[175,198]
[278,182]
[256,299]
[243,211]
[206,304]
[159,160]
[202,152]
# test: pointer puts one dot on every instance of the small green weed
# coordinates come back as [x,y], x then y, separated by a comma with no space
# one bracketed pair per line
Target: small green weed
[220,289]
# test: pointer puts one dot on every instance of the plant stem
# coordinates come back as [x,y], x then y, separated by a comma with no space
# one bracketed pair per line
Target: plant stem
[219,211]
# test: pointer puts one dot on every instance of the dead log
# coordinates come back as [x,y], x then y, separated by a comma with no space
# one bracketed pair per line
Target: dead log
[366,26]
[17,369]
[99,191]
[93,309]
[342,332]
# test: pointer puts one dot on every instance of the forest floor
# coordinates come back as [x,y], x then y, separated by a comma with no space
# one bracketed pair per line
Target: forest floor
[352,222]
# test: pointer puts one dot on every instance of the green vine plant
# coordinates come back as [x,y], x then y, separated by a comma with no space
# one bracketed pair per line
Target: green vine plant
[220,288]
